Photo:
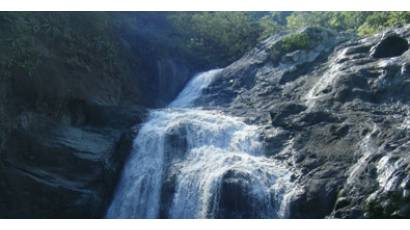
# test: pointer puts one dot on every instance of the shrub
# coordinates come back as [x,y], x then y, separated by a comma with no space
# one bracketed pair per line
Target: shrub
[296,42]
[363,23]
[290,43]
[214,38]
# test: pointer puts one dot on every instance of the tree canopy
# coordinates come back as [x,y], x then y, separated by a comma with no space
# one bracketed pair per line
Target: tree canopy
[222,37]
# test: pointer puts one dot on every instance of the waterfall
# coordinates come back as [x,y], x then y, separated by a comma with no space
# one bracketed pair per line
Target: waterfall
[194,88]
[189,162]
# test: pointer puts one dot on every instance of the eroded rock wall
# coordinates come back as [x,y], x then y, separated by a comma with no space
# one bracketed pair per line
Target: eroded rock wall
[341,106]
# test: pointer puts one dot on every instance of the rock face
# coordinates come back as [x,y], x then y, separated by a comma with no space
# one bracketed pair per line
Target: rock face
[55,170]
[342,108]
[237,199]
[335,113]
[65,132]
[165,72]
[56,167]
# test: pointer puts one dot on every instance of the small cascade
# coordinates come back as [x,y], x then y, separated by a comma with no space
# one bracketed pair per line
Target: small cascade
[194,88]
[324,84]
[368,150]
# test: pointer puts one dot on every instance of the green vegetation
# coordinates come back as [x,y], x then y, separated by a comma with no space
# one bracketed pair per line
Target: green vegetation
[47,58]
[341,21]
[218,38]
[377,21]
[296,42]
[290,43]
[362,23]
[208,39]
[82,39]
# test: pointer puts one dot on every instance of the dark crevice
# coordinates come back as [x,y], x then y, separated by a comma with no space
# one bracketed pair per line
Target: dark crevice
[391,46]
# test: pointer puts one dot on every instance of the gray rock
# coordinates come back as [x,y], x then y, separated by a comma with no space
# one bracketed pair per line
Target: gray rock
[343,105]
[52,170]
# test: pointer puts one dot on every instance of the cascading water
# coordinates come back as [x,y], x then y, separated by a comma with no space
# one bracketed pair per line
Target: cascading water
[195,163]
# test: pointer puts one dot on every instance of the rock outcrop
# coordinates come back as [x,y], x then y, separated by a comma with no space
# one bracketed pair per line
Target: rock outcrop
[65,131]
[53,170]
[341,106]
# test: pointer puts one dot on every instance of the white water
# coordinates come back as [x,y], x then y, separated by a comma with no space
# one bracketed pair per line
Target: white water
[326,81]
[194,88]
[367,149]
[215,145]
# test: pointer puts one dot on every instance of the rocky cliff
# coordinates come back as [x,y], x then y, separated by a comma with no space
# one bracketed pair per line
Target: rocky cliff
[335,111]
[67,126]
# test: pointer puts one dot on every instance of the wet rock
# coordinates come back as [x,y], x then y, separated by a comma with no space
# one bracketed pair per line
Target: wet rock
[176,143]
[327,105]
[175,150]
[404,211]
[167,194]
[237,199]
[357,49]
[275,140]
[406,182]
[319,197]
[313,118]
[280,115]
[342,202]
[53,170]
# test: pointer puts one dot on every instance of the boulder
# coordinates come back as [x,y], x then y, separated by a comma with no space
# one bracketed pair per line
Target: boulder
[237,199]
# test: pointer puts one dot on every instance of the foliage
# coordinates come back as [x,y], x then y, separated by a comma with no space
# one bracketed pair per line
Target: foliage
[222,37]
[290,43]
[208,39]
[341,21]
[18,46]
[81,38]
[272,23]
[362,23]
[268,26]
[219,37]
[377,21]
[296,42]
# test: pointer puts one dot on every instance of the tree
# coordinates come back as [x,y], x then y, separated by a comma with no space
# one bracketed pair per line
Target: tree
[219,37]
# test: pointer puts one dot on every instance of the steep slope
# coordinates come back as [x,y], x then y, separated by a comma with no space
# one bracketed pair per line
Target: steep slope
[341,105]
[73,86]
